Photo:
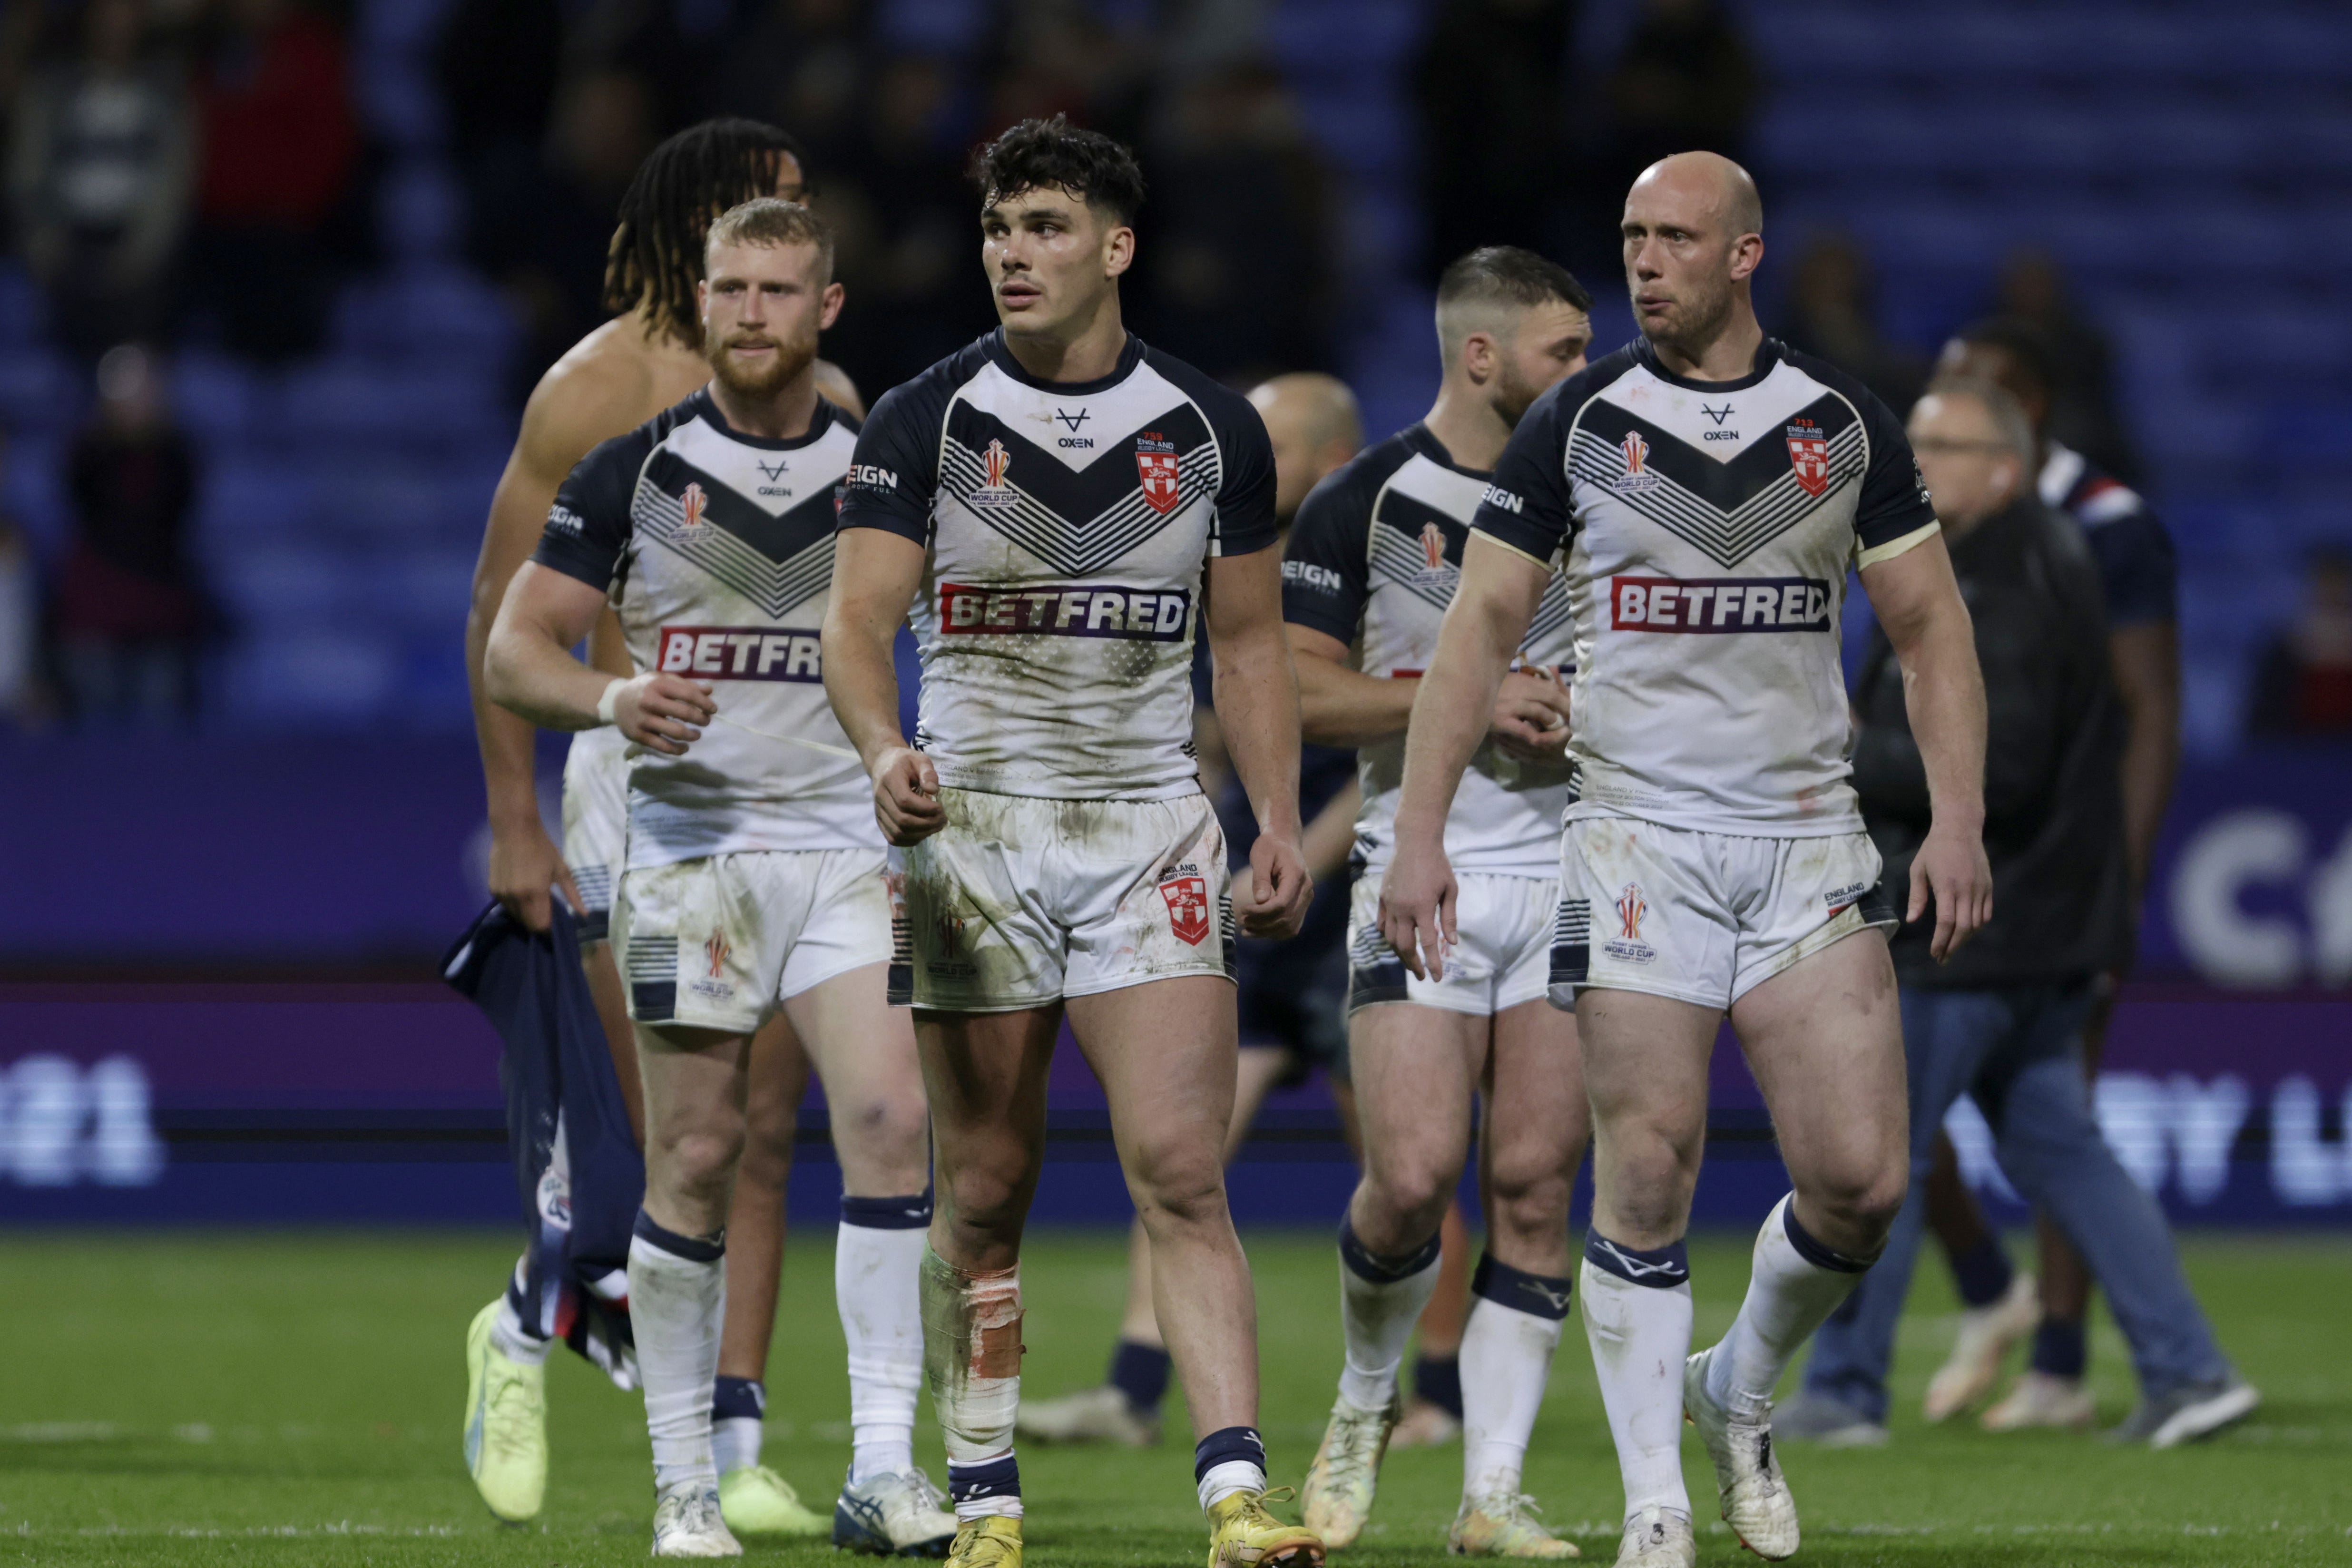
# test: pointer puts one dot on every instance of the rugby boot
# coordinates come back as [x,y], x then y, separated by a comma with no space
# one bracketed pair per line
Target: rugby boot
[1756,1500]
[2043,1399]
[1243,1534]
[991,1541]
[1503,1524]
[900,1514]
[506,1423]
[756,1500]
[1986,1336]
[1658,1538]
[1337,1497]
[688,1524]
[1098,1415]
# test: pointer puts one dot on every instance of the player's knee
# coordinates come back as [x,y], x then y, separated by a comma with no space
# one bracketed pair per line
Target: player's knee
[1862,1201]
[1409,1194]
[700,1161]
[1183,1187]
[1529,1197]
[893,1129]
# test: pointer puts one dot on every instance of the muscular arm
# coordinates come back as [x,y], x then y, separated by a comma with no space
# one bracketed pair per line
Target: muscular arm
[2146,660]
[1918,603]
[874,574]
[1257,708]
[1342,707]
[1499,592]
[569,413]
[529,669]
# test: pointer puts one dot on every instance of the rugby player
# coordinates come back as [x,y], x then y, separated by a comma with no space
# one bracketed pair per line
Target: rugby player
[2139,579]
[1313,425]
[754,878]
[1065,509]
[1370,571]
[643,361]
[1704,489]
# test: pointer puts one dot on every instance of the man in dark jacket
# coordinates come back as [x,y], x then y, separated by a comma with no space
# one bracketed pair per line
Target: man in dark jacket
[2001,1020]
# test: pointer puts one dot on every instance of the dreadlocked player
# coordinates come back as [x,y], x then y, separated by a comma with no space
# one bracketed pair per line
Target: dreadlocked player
[647,358]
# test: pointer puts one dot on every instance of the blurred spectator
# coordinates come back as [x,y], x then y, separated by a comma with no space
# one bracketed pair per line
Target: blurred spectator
[2082,399]
[544,227]
[22,694]
[2303,683]
[497,62]
[1684,83]
[908,221]
[129,611]
[800,64]
[280,144]
[99,169]
[1491,86]
[1831,311]
[1234,270]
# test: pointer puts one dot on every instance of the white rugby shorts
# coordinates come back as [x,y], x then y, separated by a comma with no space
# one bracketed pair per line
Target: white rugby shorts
[719,943]
[1020,901]
[1502,947]
[596,823]
[1703,917]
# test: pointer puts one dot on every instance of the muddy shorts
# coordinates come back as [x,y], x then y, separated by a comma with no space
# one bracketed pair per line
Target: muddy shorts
[1020,901]
[1703,917]
[722,942]
[596,823]
[1502,947]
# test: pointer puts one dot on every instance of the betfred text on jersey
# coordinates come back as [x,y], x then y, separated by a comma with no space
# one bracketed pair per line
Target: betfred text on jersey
[738,653]
[1068,611]
[1718,605]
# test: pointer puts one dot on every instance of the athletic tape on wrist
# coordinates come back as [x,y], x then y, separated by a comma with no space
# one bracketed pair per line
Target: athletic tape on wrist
[605,704]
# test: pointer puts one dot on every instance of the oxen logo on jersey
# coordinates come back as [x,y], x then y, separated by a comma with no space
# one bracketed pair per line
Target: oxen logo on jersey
[693,503]
[1627,946]
[1187,893]
[993,490]
[1809,455]
[1637,475]
[1162,477]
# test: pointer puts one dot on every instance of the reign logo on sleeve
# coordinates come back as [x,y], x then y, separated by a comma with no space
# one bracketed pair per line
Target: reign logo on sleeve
[1076,610]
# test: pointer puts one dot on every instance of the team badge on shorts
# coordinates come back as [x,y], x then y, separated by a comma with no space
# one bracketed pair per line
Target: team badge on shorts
[1187,893]
[1627,946]
[1808,456]
[715,984]
[1637,475]
[1156,464]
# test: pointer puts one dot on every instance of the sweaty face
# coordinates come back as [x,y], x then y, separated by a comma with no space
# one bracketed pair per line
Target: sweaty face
[1679,253]
[1970,471]
[1050,258]
[1547,346]
[763,308]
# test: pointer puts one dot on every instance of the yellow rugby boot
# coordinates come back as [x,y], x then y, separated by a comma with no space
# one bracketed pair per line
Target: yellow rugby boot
[1243,1534]
[506,1423]
[1347,1468]
[991,1541]
[755,1501]
[1503,1524]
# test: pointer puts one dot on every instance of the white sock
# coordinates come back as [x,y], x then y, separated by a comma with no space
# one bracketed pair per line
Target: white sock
[513,1337]
[739,1407]
[1793,1286]
[877,1266]
[1507,1347]
[972,1358]
[677,1296]
[1380,1298]
[1637,1318]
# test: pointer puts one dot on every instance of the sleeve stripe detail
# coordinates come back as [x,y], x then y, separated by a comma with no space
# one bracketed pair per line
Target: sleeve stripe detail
[1895,547]
[1500,542]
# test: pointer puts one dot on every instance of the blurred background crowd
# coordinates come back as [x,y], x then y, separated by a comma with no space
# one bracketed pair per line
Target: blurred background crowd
[279,271]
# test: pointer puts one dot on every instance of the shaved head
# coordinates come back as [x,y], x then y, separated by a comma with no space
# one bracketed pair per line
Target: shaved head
[1727,190]
[1315,426]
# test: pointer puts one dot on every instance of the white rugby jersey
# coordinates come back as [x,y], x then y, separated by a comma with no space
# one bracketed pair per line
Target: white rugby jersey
[1067,525]
[1374,558]
[716,549]
[1706,529]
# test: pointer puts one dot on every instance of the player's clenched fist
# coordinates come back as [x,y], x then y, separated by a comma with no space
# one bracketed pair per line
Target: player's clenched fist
[907,796]
[664,713]
[1530,719]
[1272,902]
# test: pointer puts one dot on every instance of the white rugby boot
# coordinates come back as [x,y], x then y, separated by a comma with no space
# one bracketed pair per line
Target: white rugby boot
[1337,1497]
[686,1523]
[1986,1337]
[1756,1500]
[1658,1538]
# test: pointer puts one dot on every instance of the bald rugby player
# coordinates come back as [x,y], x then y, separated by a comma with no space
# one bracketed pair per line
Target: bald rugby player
[646,359]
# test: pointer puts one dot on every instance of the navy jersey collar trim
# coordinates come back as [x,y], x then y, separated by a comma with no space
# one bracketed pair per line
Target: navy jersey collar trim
[1130,356]
[1769,354]
[706,408]
[1419,439]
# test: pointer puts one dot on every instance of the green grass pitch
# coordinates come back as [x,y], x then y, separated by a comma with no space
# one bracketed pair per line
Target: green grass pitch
[295,1399]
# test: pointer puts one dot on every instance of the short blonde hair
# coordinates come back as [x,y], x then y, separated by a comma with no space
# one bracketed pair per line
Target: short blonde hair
[771,220]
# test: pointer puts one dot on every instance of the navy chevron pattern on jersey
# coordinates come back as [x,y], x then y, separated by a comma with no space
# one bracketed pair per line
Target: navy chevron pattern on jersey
[742,553]
[1728,510]
[1072,543]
